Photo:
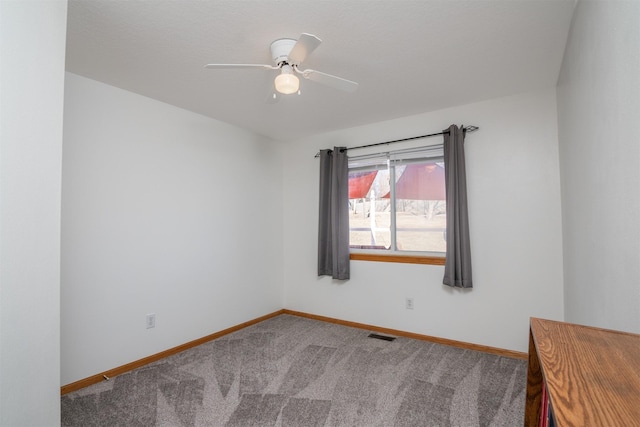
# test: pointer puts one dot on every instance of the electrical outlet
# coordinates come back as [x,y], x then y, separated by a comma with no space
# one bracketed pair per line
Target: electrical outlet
[151,320]
[409,303]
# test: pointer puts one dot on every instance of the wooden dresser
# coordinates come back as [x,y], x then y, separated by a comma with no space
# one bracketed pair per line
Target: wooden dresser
[591,376]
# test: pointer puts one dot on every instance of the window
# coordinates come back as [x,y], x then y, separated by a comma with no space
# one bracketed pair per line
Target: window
[397,202]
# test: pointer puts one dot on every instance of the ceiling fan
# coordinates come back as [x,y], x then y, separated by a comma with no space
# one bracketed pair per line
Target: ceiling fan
[288,54]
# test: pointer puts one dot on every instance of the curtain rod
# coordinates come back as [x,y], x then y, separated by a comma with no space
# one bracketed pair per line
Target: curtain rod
[467,129]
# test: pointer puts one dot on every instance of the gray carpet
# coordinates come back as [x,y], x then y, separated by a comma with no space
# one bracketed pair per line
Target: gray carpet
[293,371]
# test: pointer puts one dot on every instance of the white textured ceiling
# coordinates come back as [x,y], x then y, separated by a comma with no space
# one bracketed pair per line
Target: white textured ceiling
[409,57]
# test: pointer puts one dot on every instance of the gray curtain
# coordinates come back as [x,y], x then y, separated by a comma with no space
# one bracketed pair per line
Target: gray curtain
[457,269]
[333,224]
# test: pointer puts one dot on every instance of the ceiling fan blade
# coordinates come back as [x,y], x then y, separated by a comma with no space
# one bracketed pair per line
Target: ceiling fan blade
[235,66]
[303,47]
[329,80]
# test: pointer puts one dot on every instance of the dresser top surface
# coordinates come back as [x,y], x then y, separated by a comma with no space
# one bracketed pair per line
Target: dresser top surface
[592,374]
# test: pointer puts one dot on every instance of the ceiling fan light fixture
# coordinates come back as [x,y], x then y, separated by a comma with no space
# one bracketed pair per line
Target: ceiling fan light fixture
[286,82]
[287,55]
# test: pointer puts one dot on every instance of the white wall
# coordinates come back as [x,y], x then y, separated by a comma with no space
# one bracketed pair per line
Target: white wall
[163,211]
[599,135]
[32,40]
[514,202]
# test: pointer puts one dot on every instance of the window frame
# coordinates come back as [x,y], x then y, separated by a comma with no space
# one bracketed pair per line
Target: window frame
[393,160]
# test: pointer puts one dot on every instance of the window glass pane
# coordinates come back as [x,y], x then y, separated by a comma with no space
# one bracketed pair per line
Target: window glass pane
[369,209]
[409,215]
[420,207]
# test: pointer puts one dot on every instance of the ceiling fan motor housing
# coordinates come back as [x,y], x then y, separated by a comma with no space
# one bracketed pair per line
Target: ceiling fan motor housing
[280,50]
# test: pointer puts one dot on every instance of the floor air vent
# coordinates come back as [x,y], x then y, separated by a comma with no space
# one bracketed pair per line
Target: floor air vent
[382,337]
